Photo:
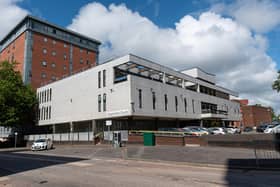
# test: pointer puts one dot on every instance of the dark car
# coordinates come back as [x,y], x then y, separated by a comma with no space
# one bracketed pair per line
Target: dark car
[262,127]
[248,129]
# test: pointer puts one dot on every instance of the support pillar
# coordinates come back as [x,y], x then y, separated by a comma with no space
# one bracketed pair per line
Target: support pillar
[53,129]
[94,130]
[201,123]
[198,88]
[223,122]
[71,131]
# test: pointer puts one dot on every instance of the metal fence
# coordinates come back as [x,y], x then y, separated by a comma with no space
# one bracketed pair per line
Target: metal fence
[63,137]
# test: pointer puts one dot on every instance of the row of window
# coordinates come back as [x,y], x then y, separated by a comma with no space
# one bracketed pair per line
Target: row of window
[44,76]
[44,113]
[104,78]
[60,33]
[100,102]
[153,99]
[45,96]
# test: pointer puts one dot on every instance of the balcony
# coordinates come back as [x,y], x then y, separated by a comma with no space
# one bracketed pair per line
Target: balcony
[213,113]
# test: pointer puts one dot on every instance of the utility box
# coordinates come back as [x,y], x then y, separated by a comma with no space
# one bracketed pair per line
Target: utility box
[149,139]
[117,142]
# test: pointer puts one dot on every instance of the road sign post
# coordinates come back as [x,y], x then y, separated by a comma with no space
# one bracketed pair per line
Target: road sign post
[108,124]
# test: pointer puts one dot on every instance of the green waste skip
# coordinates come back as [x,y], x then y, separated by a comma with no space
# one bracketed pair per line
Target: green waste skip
[149,139]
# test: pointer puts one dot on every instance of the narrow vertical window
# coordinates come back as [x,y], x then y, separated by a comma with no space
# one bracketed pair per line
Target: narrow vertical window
[43,113]
[154,100]
[50,94]
[176,103]
[104,78]
[99,103]
[50,111]
[140,98]
[165,102]
[193,106]
[99,79]
[39,114]
[185,103]
[47,95]
[47,113]
[104,102]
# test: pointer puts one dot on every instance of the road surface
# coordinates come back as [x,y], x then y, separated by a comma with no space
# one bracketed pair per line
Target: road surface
[27,169]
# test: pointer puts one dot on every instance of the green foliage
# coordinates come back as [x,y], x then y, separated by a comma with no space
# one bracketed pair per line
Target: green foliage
[17,101]
[276,83]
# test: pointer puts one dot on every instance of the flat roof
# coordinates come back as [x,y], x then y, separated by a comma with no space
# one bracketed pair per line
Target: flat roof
[46,23]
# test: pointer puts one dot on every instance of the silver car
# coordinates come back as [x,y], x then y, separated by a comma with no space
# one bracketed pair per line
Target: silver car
[42,144]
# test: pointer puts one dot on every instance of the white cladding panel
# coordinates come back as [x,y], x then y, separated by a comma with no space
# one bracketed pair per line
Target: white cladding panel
[198,73]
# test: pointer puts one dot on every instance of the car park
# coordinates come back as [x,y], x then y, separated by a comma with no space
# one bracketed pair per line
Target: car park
[42,144]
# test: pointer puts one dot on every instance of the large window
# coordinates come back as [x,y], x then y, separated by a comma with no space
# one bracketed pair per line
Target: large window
[154,100]
[120,75]
[99,79]
[104,78]
[99,103]
[140,98]
[104,102]
[165,102]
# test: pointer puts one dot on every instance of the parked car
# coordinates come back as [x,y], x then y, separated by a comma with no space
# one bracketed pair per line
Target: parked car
[42,144]
[199,131]
[262,127]
[272,129]
[230,130]
[248,129]
[216,130]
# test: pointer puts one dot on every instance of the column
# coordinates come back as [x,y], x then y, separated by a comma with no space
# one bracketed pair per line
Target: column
[201,123]
[198,88]
[71,132]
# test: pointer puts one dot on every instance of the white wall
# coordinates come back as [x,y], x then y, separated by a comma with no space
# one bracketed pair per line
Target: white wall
[76,98]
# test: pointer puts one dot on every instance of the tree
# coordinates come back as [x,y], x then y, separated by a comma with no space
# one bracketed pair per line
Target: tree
[276,83]
[17,101]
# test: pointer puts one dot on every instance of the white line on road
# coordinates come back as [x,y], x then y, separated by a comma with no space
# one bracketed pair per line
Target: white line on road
[2,179]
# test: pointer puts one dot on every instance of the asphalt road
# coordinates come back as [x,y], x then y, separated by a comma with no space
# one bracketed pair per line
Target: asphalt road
[40,169]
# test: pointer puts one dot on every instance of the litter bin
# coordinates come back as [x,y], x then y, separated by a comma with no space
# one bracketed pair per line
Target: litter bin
[149,139]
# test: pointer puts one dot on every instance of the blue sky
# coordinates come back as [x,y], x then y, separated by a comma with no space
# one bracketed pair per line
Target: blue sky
[239,41]
[161,12]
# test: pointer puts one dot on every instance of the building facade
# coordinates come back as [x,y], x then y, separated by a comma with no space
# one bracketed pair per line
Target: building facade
[135,93]
[253,115]
[46,52]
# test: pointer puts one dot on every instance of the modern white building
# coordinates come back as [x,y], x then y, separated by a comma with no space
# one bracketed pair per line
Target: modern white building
[135,93]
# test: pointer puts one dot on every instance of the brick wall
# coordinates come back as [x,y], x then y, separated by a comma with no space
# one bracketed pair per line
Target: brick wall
[256,115]
[15,51]
[57,58]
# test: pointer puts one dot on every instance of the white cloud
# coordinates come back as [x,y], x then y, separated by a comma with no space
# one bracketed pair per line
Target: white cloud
[10,14]
[258,15]
[217,44]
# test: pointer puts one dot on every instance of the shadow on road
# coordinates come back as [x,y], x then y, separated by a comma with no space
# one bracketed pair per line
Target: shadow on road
[12,162]
[267,158]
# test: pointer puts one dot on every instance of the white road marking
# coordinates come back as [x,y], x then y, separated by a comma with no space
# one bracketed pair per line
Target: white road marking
[2,179]
[80,164]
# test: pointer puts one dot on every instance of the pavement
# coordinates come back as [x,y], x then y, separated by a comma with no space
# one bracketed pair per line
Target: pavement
[84,166]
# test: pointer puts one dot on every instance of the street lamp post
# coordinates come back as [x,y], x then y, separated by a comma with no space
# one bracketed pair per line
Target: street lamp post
[16,139]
